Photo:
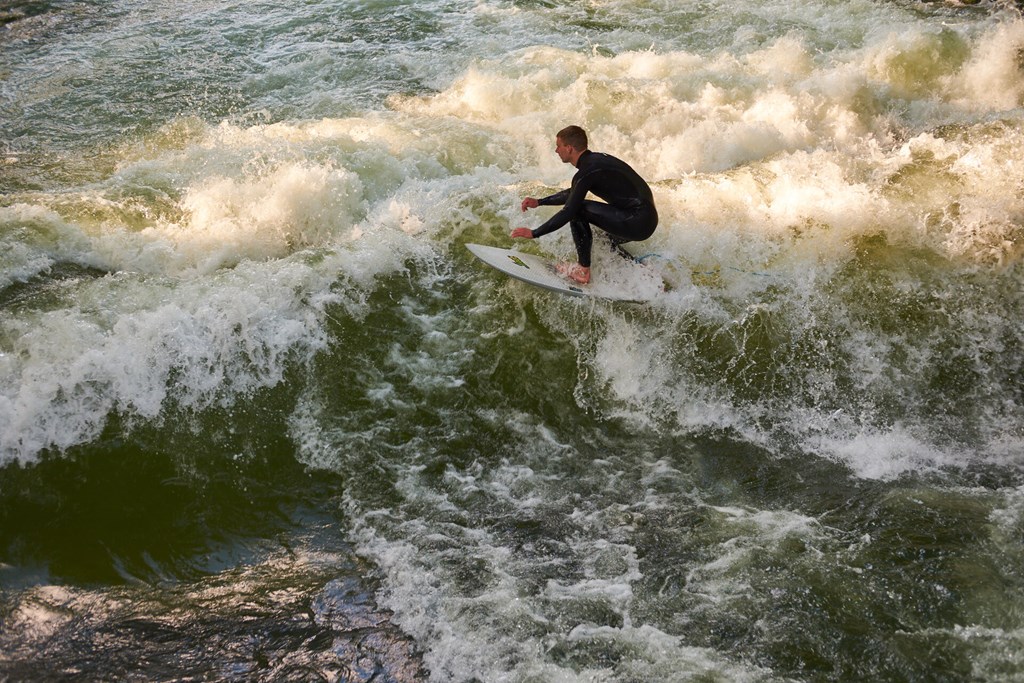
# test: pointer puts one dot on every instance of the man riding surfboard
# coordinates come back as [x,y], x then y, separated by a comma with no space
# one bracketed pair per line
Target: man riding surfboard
[627,213]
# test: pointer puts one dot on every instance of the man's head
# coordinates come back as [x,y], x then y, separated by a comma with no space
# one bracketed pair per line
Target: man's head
[570,143]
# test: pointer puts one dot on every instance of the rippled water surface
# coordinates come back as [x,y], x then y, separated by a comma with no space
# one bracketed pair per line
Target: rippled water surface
[264,417]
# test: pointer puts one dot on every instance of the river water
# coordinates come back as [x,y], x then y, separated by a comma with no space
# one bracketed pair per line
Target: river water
[263,416]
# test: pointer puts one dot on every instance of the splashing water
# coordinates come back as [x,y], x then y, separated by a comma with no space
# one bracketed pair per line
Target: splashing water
[258,405]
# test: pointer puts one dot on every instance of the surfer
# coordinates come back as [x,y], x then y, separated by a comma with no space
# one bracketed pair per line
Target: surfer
[627,213]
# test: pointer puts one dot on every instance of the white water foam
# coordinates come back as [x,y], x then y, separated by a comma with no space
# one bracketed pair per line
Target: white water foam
[427,557]
[771,158]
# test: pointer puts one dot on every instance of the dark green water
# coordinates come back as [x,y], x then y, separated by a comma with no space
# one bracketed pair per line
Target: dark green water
[263,416]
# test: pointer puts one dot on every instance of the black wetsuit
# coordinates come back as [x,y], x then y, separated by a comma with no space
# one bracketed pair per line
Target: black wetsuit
[629,214]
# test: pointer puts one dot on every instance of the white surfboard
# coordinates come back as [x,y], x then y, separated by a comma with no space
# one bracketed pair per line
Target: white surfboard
[540,272]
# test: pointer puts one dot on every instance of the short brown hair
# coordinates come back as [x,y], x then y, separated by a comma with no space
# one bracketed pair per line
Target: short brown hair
[573,136]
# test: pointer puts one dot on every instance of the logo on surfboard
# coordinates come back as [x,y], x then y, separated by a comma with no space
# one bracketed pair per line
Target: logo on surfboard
[518,261]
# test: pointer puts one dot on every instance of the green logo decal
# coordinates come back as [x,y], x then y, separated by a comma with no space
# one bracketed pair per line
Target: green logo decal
[518,261]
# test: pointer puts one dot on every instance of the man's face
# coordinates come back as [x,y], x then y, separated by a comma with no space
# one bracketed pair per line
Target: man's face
[563,150]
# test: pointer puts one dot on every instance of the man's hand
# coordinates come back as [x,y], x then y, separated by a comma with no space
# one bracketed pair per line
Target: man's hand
[530,203]
[523,233]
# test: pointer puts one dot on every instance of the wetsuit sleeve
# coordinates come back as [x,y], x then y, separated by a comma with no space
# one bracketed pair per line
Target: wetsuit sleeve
[573,201]
[557,199]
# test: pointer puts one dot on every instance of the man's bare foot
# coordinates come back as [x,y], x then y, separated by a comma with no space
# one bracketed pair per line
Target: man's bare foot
[574,272]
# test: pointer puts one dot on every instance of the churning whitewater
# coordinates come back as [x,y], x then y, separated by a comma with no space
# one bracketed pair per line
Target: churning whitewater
[264,417]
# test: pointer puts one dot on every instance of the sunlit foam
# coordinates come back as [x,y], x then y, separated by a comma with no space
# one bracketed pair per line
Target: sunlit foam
[992,79]
[770,167]
[296,206]
[217,338]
